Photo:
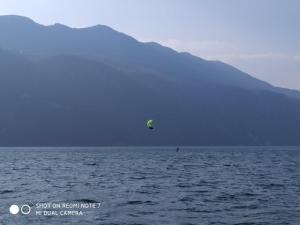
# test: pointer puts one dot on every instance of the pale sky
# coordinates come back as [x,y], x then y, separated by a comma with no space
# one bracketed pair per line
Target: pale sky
[260,37]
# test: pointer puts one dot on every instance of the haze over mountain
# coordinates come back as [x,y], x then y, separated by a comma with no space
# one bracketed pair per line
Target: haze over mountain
[62,86]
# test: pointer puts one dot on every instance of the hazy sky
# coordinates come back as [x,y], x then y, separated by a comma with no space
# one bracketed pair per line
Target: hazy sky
[261,37]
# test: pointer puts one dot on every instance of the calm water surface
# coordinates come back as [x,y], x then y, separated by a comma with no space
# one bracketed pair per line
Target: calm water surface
[154,185]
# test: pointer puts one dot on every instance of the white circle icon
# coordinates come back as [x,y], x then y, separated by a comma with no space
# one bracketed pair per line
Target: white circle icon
[25,209]
[14,209]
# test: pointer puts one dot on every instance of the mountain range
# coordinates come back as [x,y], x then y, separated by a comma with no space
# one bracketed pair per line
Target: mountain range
[94,86]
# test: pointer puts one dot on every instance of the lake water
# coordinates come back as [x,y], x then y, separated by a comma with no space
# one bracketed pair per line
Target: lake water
[152,186]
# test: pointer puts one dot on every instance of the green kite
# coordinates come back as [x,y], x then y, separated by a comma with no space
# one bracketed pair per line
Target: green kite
[150,124]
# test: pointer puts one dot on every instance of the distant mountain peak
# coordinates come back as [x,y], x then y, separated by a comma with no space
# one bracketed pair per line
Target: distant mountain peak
[22,20]
[59,25]
[15,19]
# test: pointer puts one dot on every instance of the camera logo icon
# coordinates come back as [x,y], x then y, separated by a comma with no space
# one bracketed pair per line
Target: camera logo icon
[15,209]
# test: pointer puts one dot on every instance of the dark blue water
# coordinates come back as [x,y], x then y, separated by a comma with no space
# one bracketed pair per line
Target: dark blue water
[154,185]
